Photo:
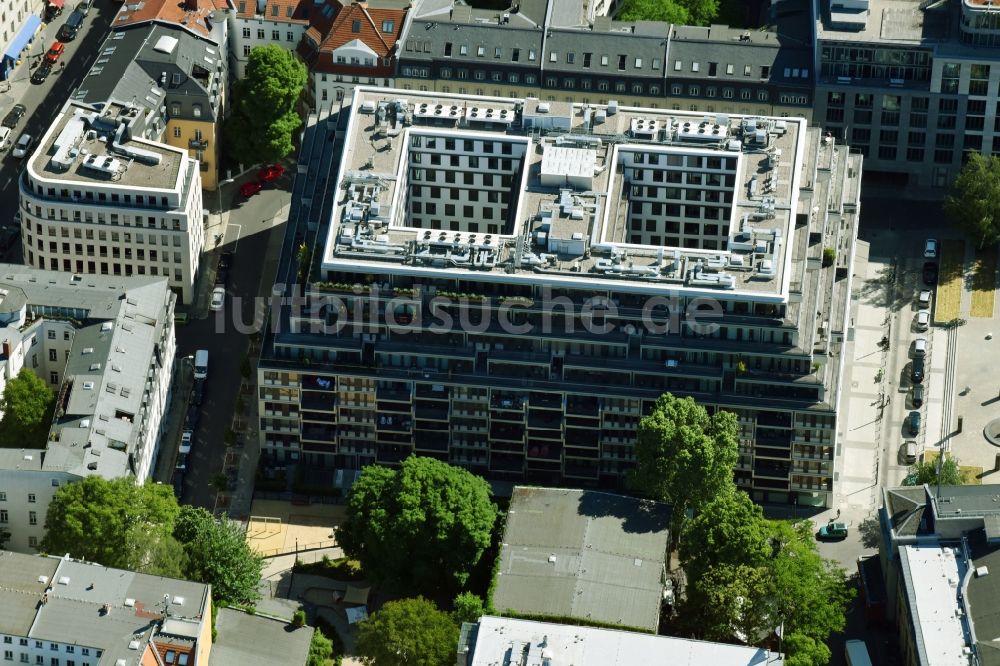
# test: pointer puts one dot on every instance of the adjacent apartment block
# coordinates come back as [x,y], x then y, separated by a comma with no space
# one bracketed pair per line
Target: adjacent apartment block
[910,85]
[940,553]
[98,197]
[66,612]
[105,346]
[559,50]
[19,23]
[509,284]
[501,641]
[262,22]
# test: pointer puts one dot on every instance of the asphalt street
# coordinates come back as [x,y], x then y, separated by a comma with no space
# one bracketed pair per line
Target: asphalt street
[44,100]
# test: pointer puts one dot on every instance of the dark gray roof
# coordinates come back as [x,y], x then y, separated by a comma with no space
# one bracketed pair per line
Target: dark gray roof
[130,68]
[21,590]
[787,64]
[252,640]
[905,508]
[979,500]
[431,40]
[585,554]
[984,598]
[635,48]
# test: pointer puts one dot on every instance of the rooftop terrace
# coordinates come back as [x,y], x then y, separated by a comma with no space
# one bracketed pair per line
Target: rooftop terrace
[643,200]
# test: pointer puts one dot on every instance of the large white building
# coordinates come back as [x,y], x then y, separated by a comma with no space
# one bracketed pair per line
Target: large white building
[98,198]
[106,348]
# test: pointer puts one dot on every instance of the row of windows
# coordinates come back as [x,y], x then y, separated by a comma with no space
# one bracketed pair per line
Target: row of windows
[678,241]
[115,268]
[164,256]
[455,225]
[275,35]
[472,162]
[101,235]
[674,227]
[468,212]
[457,193]
[88,195]
[32,515]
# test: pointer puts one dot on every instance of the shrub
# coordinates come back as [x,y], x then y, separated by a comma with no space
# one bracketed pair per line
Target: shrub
[299,618]
[829,256]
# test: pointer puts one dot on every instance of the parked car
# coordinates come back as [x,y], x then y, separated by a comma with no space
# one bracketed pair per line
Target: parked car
[69,30]
[832,532]
[930,273]
[923,320]
[42,73]
[920,347]
[5,133]
[271,173]
[218,299]
[23,145]
[226,259]
[198,394]
[249,189]
[192,417]
[930,248]
[83,7]
[222,276]
[924,299]
[910,451]
[181,462]
[55,52]
[917,398]
[186,438]
[913,420]
[14,116]
[917,370]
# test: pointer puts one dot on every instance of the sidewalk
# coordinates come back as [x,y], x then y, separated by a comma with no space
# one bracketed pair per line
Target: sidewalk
[12,90]
[176,410]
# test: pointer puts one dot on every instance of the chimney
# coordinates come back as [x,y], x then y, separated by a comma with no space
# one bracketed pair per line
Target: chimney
[191,5]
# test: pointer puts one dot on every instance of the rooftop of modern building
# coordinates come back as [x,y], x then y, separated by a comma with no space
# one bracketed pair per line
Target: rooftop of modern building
[501,640]
[253,640]
[772,159]
[569,552]
[883,21]
[94,145]
[932,581]
[118,322]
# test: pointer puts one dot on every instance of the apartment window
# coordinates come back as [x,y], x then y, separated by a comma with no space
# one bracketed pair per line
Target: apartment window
[388,26]
[246,33]
[746,70]
[54,377]
[621,62]
[289,36]
[3,516]
[53,356]
[497,52]
[951,72]
[531,55]
[554,56]
[570,58]
[586,60]
[3,497]
[463,50]
[655,63]
[356,25]
[638,63]
[246,50]
[275,35]
[32,517]
[260,33]
[177,132]
[515,55]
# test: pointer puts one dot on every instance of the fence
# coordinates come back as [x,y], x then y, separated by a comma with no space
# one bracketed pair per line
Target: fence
[298,548]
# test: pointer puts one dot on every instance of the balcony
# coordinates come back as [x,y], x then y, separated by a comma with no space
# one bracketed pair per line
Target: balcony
[546,400]
[198,144]
[319,401]
[432,391]
[544,451]
[581,469]
[317,433]
[770,470]
[501,462]
[391,454]
[393,423]
[430,441]
[432,411]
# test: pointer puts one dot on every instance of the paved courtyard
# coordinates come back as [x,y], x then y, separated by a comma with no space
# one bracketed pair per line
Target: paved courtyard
[277,527]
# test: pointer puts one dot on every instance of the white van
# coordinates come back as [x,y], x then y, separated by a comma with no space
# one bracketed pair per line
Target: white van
[201,364]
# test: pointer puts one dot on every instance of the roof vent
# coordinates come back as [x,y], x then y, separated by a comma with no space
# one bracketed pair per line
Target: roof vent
[178,601]
[982,571]
[130,603]
[133,645]
[44,580]
[29,457]
[87,386]
[64,580]
[552,559]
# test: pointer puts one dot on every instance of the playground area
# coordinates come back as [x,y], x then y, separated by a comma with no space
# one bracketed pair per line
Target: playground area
[278,528]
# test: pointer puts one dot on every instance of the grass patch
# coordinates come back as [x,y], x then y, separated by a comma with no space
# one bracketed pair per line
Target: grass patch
[984,283]
[342,568]
[971,476]
[948,301]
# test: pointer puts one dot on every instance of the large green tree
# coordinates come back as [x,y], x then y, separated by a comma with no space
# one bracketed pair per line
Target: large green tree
[682,12]
[728,531]
[115,523]
[930,472]
[218,554]
[409,632]
[421,528]
[265,112]
[973,204]
[684,456]
[27,406]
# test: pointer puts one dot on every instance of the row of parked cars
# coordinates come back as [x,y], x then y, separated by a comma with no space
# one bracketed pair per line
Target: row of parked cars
[920,348]
[191,418]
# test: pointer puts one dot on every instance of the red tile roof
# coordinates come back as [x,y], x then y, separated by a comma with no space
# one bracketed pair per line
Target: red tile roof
[280,11]
[358,21]
[192,14]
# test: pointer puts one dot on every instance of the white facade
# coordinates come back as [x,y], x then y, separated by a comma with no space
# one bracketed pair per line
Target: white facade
[106,348]
[260,30]
[140,220]
[330,88]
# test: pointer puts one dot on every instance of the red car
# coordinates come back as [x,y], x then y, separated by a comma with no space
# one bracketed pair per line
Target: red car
[251,188]
[269,174]
[55,51]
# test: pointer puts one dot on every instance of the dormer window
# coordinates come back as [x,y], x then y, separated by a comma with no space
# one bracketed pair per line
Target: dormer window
[388,27]
[356,26]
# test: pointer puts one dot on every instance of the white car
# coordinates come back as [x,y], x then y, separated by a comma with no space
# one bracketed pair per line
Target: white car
[218,298]
[23,145]
[923,320]
[924,299]
[5,133]
[931,249]
[186,442]
[920,347]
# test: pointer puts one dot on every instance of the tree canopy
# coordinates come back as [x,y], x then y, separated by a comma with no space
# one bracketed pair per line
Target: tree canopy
[265,114]
[115,523]
[320,649]
[749,576]
[27,406]
[467,607]
[409,632]
[218,554]
[973,204]
[684,456]
[950,473]
[421,528]
[682,12]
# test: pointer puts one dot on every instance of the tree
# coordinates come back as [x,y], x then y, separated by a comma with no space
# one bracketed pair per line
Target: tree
[727,601]
[265,115]
[728,531]
[409,632]
[320,649]
[115,523]
[467,607]
[218,554]
[422,527]
[684,456]
[927,472]
[974,202]
[682,12]
[27,406]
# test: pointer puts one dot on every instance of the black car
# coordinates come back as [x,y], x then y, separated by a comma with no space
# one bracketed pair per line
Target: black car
[930,273]
[222,277]
[199,392]
[226,260]
[918,395]
[191,419]
[42,73]
[14,116]
[69,29]
[917,371]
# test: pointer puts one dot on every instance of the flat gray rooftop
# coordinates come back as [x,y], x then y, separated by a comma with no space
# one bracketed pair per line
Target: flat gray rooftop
[21,590]
[77,150]
[761,223]
[252,640]
[584,554]
[888,21]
